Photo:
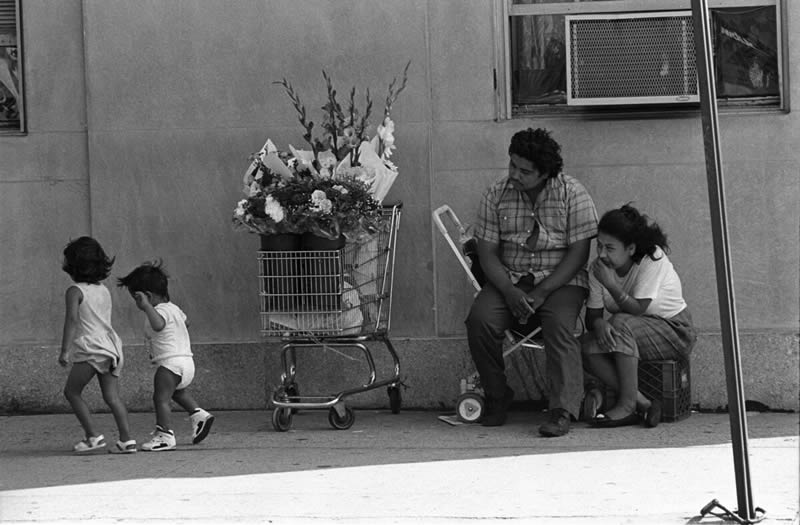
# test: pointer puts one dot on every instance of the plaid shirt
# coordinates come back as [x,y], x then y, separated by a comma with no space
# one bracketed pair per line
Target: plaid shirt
[563,214]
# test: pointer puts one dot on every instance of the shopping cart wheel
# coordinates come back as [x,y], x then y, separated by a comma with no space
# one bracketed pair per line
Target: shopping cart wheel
[395,399]
[341,422]
[469,407]
[282,419]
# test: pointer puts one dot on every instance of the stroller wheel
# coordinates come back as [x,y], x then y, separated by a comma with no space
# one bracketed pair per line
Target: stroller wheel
[469,407]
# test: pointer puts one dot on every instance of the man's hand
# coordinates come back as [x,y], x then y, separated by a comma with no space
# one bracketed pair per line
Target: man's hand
[63,359]
[519,303]
[605,335]
[536,297]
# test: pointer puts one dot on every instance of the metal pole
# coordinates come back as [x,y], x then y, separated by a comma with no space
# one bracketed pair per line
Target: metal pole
[716,199]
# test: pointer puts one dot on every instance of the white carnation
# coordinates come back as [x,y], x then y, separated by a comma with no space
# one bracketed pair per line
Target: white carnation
[241,209]
[274,210]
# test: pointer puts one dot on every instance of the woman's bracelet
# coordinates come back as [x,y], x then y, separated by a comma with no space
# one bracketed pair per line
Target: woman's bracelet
[622,298]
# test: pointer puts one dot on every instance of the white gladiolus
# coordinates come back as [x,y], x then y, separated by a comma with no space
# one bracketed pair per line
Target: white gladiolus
[386,134]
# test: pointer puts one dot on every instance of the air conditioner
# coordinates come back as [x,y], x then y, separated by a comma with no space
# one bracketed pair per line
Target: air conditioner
[631,58]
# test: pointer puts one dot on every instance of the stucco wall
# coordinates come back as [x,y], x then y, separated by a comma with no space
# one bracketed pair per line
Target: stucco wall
[141,117]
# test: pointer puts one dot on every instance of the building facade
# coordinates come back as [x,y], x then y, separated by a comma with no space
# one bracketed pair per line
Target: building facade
[137,126]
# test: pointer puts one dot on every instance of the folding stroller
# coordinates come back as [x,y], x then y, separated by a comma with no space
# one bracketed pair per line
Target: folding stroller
[471,401]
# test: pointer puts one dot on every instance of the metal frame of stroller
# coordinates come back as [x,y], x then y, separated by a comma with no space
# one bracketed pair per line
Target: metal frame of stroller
[470,403]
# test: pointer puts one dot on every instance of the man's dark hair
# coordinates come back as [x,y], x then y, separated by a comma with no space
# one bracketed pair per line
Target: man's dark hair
[149,277]
[538,146]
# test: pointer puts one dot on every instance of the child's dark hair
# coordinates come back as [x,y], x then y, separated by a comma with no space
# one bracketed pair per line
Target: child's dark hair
[149,277]
[540,148]
[85,261]
[632,227]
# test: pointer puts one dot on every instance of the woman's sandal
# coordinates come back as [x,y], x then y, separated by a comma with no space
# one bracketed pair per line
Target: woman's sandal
[652,416]
[123,447]
[603,421]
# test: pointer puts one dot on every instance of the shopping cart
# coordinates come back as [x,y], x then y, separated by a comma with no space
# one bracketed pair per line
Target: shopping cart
[330,300]
[471,401]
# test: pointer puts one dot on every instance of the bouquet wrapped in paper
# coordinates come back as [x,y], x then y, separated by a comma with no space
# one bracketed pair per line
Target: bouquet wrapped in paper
[334,189]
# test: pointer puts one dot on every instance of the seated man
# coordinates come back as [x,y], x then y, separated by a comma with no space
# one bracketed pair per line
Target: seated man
[534,230]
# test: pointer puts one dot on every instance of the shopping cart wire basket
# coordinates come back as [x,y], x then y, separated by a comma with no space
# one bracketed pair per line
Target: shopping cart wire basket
[330,300]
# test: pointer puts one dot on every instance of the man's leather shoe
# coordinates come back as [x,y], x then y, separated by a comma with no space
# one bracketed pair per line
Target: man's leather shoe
[497,411]
[558,425]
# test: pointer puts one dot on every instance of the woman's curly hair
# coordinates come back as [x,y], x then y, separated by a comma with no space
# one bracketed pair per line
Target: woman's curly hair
[631,226]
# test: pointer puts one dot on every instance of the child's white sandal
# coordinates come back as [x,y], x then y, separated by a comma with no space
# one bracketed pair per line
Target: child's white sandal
[123,447]
[89,444]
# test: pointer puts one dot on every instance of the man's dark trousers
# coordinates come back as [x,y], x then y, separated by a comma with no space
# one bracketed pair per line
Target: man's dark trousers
[490,317]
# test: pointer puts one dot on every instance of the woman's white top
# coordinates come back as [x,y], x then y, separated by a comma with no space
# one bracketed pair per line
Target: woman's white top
[651,279]
[173,339]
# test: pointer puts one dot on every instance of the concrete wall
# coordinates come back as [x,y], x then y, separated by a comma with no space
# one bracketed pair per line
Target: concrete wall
[141,116]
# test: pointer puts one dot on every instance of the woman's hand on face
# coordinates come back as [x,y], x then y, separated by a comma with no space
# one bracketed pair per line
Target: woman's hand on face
[605,335]
[603,273]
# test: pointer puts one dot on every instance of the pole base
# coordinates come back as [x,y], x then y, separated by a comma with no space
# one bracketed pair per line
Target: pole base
[728,515]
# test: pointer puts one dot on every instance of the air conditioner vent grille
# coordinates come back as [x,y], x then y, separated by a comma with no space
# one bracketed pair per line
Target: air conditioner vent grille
[635,60]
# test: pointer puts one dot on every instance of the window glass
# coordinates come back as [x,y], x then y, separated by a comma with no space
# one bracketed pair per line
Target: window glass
[523,2]
[538,60]
[745,52]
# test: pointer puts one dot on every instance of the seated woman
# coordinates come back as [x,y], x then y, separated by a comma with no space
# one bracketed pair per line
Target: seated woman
[634,281]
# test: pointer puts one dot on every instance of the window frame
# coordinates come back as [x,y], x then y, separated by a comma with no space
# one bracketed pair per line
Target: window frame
[505,9]
[21,129]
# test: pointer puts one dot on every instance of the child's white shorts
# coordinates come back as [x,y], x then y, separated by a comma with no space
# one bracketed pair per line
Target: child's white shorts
[182,366]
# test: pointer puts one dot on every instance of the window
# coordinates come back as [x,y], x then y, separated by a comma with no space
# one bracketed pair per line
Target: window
[10,67]
[532,47]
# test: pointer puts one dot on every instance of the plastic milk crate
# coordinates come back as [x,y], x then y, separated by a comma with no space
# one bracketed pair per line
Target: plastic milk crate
[669,381]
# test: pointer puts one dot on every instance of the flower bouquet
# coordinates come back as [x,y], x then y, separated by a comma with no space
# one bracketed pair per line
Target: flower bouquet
[333,190]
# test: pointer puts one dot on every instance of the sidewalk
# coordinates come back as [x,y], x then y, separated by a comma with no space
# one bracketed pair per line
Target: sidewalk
[402,469]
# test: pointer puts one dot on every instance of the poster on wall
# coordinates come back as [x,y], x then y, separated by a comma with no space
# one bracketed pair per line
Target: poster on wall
[10,85]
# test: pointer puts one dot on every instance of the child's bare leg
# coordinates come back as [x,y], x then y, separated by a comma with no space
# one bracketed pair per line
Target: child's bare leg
[109,385]
[185,400]
[164,385]
[79,377]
